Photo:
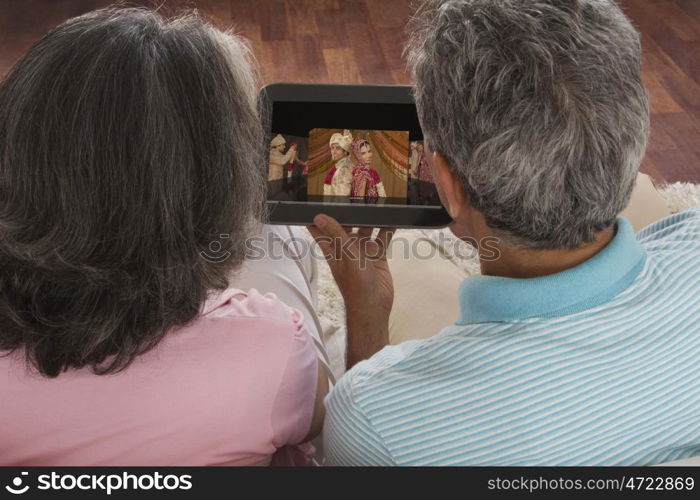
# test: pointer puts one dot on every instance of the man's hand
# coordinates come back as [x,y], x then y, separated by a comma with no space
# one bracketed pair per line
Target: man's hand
[360,269]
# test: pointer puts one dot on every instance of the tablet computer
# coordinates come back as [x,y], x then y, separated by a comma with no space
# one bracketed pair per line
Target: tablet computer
[354,152]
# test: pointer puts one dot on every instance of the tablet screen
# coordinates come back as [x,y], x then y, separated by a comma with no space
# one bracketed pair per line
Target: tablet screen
[348,153]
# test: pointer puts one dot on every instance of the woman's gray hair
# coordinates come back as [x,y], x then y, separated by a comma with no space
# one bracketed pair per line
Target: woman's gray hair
[539,107]
[129,143]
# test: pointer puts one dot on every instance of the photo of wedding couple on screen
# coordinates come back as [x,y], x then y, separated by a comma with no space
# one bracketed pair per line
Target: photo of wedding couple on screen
[359,164]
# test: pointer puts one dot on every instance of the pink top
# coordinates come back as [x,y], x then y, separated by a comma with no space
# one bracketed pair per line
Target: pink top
[231,388]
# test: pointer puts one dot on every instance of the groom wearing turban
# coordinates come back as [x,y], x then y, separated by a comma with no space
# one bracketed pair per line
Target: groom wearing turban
[278,158]
[339,179]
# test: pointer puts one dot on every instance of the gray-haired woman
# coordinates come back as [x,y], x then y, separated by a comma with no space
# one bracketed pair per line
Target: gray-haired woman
[130,148]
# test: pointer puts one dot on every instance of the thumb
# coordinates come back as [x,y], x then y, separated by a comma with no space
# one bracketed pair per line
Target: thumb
[328,226]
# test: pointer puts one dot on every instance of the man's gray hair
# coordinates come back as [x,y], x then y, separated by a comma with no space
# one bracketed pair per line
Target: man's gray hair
[539,107]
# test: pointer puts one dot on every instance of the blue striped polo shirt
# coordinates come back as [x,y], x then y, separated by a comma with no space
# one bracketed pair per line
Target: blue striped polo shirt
[596,365]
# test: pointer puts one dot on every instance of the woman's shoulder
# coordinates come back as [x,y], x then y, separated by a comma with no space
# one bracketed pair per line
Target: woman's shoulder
[265,309]
[375,175]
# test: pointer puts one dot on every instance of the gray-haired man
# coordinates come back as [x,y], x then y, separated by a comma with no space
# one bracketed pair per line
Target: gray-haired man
[580,344]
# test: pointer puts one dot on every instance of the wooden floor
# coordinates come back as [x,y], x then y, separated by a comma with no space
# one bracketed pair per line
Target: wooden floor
[360,41]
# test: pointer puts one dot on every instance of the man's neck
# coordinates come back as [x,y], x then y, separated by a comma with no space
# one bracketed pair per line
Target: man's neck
[516,262]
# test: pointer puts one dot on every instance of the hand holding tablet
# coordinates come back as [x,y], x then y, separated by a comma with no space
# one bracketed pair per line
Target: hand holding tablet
[360,268]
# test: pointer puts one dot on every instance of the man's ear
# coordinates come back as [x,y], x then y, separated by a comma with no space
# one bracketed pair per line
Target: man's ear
[449,186]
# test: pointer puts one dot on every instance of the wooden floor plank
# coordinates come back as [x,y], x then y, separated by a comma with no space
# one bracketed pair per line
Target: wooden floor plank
[302,19]
[341,66]
[369,55]
[331,29]
[361,41]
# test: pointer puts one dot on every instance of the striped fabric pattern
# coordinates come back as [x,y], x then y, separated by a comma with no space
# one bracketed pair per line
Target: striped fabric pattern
[617,383]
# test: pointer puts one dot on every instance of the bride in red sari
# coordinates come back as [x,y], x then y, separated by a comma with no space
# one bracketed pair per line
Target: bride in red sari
[366,182]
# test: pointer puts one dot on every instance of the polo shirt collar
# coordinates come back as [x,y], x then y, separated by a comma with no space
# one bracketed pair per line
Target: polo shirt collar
[485,299]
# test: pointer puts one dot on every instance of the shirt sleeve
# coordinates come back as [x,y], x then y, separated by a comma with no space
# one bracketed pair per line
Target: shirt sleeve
[289,155]
[293,408]
[683,226]
[348,436]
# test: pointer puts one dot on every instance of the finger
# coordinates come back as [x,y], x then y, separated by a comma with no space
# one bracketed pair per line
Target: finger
[341,243]
[364,237]
[331,227]
[315,232]
[365,232]
[376,249]
[384,238]
[323,241]
[352,235]
[385,234]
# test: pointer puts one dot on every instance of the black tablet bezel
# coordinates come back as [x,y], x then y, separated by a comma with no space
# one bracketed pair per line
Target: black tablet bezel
[358,215]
